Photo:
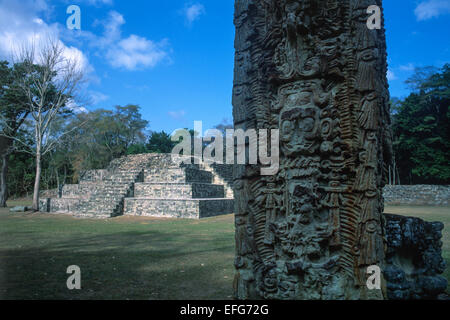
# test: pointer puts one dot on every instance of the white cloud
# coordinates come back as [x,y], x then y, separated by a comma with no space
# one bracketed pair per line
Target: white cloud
[408,67]
[97,97]
[131,53]
[76,108]
[74,54]
[112,27]
[21,25]
[177,115]
[134,52]
[432,8]
[193,12]
[391,76]
[100,2]
[95,3]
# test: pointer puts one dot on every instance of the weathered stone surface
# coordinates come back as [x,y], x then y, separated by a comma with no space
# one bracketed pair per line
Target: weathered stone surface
[102,193]
[19,209]
[94,175]
[414,258]
[181,191]
[315,71]
[178,190]
[178,175]
[178,208]
[430,195]
[146,185]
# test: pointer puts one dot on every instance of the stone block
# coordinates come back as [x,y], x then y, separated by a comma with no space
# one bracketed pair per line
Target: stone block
[414,260]
[178,208]
[178,191]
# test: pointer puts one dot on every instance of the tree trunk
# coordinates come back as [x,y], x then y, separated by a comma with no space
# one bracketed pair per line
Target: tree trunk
[3,184]
[37,181]
[390,178]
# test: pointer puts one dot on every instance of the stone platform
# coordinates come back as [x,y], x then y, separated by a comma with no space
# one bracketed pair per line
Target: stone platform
[414,262]
[146,185]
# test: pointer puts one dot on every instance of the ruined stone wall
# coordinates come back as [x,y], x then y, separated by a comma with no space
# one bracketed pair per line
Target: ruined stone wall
[53,193]
[178,191]
[313,70]
[431,195]
[60,205]
[82,190]
[93,175]
[177,208]
[145,185]
[224,171]
[414,260]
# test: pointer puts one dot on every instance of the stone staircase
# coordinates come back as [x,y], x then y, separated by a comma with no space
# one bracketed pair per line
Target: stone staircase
[180,191]
[146,185]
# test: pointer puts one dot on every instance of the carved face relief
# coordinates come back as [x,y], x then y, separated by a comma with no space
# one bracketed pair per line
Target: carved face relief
[271,282]
[311,67]
[299,124]
[301,198]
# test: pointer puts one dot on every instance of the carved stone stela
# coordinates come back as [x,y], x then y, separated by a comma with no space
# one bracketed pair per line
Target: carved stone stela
[315,71]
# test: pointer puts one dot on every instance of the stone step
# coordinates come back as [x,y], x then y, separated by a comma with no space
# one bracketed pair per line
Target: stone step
[178,190]
[120,181]
[114,190]
[61,205]
[177,175]
[78,207]
[178,208]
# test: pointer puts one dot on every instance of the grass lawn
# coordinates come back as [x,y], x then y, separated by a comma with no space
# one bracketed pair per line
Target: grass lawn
[129,258]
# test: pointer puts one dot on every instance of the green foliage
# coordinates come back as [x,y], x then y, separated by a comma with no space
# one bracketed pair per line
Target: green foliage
[102,135]
[160,142]
[13,108]
[95,138]
[22,170]
[137,149]
[421,129]
[14,103]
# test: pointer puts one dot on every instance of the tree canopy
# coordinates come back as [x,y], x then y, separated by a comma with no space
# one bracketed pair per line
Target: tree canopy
[421,128]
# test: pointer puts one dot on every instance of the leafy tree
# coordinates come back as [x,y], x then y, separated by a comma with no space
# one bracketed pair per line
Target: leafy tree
[421,129]
[21,174]
[48,87]
[160,142]
[102,135]
[131,124]
[137,149]
[13,112]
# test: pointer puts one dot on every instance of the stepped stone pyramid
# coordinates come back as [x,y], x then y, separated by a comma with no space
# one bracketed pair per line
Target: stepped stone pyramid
[147,185]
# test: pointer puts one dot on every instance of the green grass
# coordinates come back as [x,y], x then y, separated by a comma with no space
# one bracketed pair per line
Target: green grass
[129,258]
[121,258]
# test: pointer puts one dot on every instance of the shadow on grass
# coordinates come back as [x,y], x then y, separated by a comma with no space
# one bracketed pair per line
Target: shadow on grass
[128,265]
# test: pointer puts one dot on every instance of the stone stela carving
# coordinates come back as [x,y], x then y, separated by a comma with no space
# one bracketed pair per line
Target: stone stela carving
[315,71]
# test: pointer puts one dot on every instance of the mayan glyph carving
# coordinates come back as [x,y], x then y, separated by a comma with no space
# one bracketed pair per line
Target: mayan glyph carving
[315,71]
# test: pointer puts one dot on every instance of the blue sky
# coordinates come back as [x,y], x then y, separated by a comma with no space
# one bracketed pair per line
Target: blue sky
[175,58]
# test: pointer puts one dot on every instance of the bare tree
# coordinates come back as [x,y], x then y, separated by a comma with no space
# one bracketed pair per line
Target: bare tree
[50,84]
